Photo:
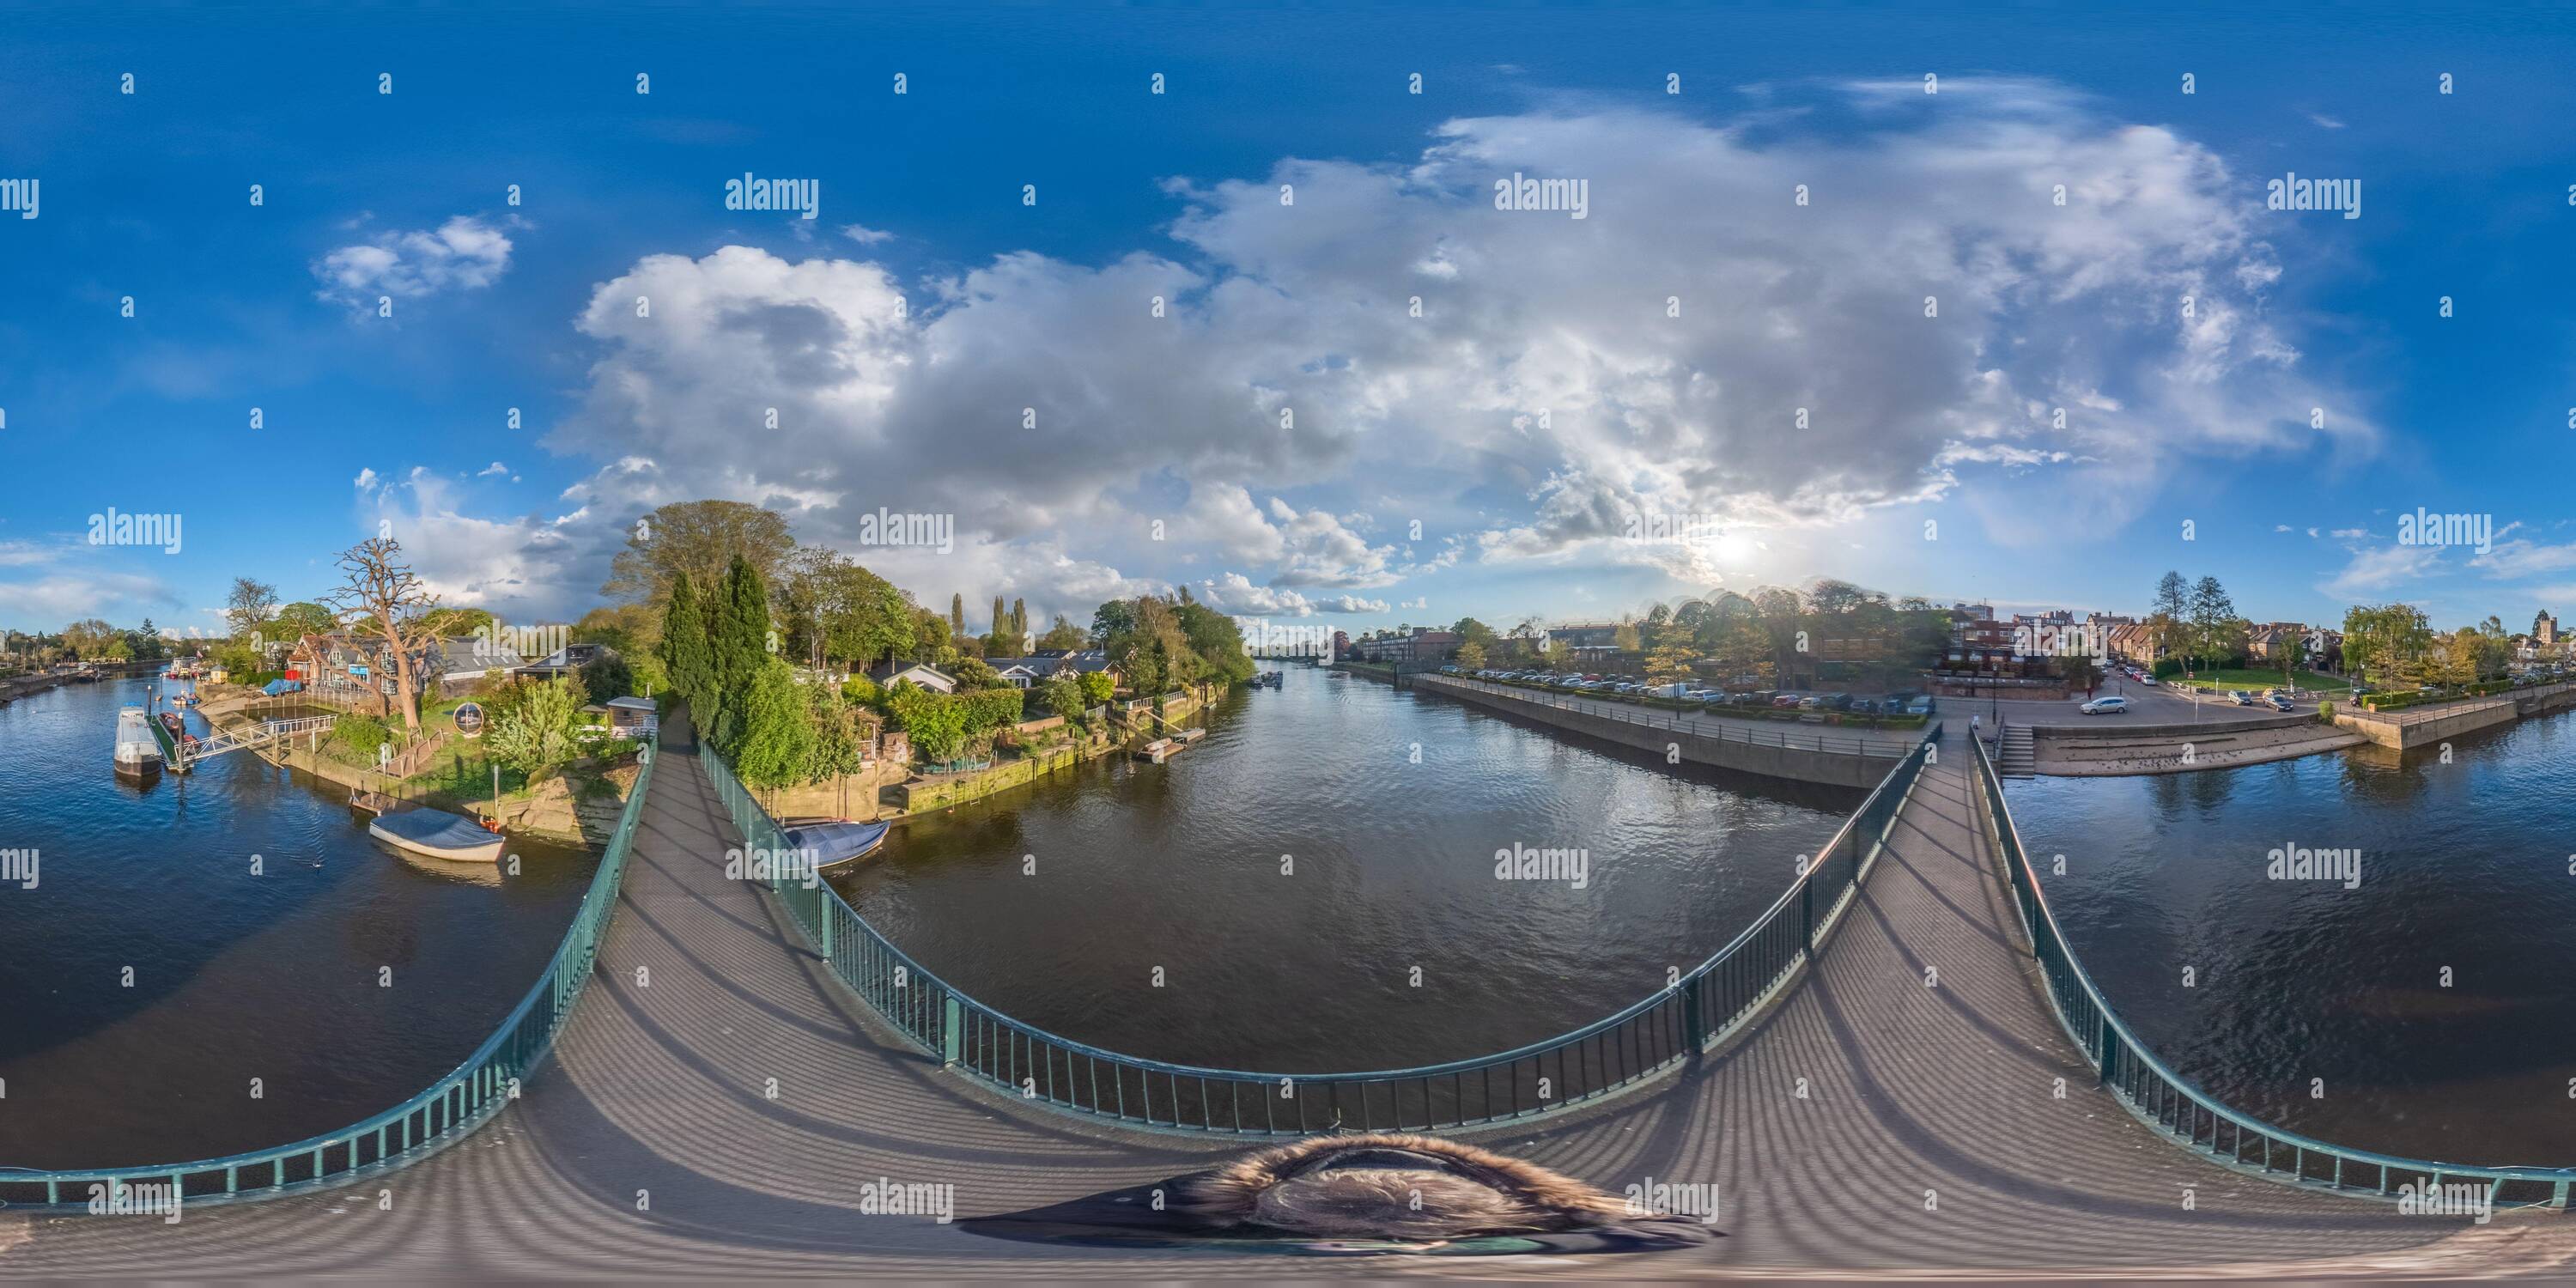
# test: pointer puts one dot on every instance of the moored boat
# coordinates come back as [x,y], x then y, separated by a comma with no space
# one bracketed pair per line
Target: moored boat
[138,753]
[835,841]
[439,835]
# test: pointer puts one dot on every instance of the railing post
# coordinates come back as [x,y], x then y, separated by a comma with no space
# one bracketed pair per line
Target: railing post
[1694,1022]
[1807,908]
[952,1036]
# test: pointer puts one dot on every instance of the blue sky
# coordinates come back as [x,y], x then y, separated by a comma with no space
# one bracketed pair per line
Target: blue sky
[1567,377]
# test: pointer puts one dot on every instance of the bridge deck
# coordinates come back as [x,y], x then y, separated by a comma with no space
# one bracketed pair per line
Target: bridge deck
[659,1087]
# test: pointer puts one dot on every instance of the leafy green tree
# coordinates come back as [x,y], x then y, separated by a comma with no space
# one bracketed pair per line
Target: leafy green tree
[775,729]
[971,673]
[608,676]
[1064,635]
[957,614]
[686,654]
[299,619]
[1112,618]
[1019,621]
[937,728]
[2388,643]
[1063,694]
[841,736]
[535,731]
[700,538]
[1471,655]
[1097,687]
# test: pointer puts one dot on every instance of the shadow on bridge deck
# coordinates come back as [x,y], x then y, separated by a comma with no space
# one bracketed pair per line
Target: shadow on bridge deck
[1929,1136]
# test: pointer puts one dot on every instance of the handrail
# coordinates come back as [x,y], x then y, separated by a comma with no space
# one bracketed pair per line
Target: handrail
[453,1106]
[1656,1033]
[2177,1107]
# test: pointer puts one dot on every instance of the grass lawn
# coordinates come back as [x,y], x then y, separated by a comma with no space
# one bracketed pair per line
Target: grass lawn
[2256,680]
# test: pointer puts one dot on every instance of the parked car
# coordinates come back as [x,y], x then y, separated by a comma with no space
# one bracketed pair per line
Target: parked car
[1787,698]
[2240,697]
[1921,706]
[2280,702]
[2147,680]
[2106,707]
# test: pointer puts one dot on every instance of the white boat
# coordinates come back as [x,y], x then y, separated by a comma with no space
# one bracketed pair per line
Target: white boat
[438,834]
[138,753]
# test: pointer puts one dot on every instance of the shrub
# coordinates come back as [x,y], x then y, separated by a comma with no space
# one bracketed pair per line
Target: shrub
[2166,668]
[360,736]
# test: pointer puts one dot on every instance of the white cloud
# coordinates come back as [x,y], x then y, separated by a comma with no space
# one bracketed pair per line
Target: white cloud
[494,468]
[864,235]
[464,253]
[367,479]
[2381,568]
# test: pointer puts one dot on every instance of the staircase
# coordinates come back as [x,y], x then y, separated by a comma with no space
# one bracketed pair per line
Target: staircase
[2016,759]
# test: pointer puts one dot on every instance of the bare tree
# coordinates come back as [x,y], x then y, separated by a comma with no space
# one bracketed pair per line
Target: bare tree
[383,590]
[251,603]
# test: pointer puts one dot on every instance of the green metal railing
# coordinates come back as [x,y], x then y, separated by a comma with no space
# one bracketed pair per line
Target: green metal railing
[1660,1032]
[453,1106]
[2189,1116]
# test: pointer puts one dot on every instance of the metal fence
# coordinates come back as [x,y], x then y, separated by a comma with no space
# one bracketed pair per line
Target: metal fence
[1704,1007]
[454,1105]
[2189,1116]
[1891,745]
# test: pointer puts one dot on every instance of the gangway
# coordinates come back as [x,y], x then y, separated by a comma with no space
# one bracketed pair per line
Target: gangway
[268,733]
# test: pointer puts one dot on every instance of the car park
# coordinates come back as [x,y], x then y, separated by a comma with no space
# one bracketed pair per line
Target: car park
[2106,707]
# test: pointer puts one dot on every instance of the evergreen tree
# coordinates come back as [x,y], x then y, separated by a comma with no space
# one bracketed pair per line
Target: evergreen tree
[686,656]
[956,616]
[1001,616]
[1019,622]
[740,643]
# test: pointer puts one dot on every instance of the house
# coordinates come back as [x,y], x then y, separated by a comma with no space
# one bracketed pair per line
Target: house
[565,662]
[889,674]
[467,660]
[1424,643]
[626,717]
[1022,672]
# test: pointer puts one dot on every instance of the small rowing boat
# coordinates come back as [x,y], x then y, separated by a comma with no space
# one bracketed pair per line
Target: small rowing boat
[438,834]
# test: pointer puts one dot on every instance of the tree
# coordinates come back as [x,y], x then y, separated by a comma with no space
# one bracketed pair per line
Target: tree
[1064,635]
[2212,614]
[302,618]
[700,538]
[534,731]
[1019,621]
[1111,618]
[957,614]
[775,727]
[972,673]
[687,656]
[841,737]
[1471,655]
[1097,687]
[607,675]
[249,606]
[1063,694]
[1001,617]
[383,591]
[2388,643]
[738,641]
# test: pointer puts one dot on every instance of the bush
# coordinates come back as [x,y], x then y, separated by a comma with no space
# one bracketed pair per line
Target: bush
[360,736]
[2166,668]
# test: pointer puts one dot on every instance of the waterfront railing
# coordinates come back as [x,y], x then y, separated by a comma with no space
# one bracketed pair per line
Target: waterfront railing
[1659,1033]
[453,1106]
[2188,1115]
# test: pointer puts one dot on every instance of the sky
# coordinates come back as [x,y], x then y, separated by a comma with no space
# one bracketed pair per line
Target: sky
[1972,304]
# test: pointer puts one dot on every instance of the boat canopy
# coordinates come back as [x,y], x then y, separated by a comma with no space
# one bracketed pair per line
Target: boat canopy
[835,843]
[436,829]
[275,687]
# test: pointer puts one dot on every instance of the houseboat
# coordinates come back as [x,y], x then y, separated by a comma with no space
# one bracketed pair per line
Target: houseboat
[138,753]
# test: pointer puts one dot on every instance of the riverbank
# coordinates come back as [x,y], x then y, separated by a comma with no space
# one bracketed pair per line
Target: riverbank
[577,806]
[1134,724]
[1797,753]
[2110,750]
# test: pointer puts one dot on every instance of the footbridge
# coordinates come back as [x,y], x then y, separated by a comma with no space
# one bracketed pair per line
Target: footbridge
[188,753]
[1899,1069]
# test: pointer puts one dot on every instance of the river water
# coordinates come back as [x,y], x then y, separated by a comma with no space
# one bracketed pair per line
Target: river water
[1058,903]
[150,977]
[2424,1011]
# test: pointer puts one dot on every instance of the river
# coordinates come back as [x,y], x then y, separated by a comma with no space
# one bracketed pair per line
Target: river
[150,977]
[2422,1010]
[1382,937]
